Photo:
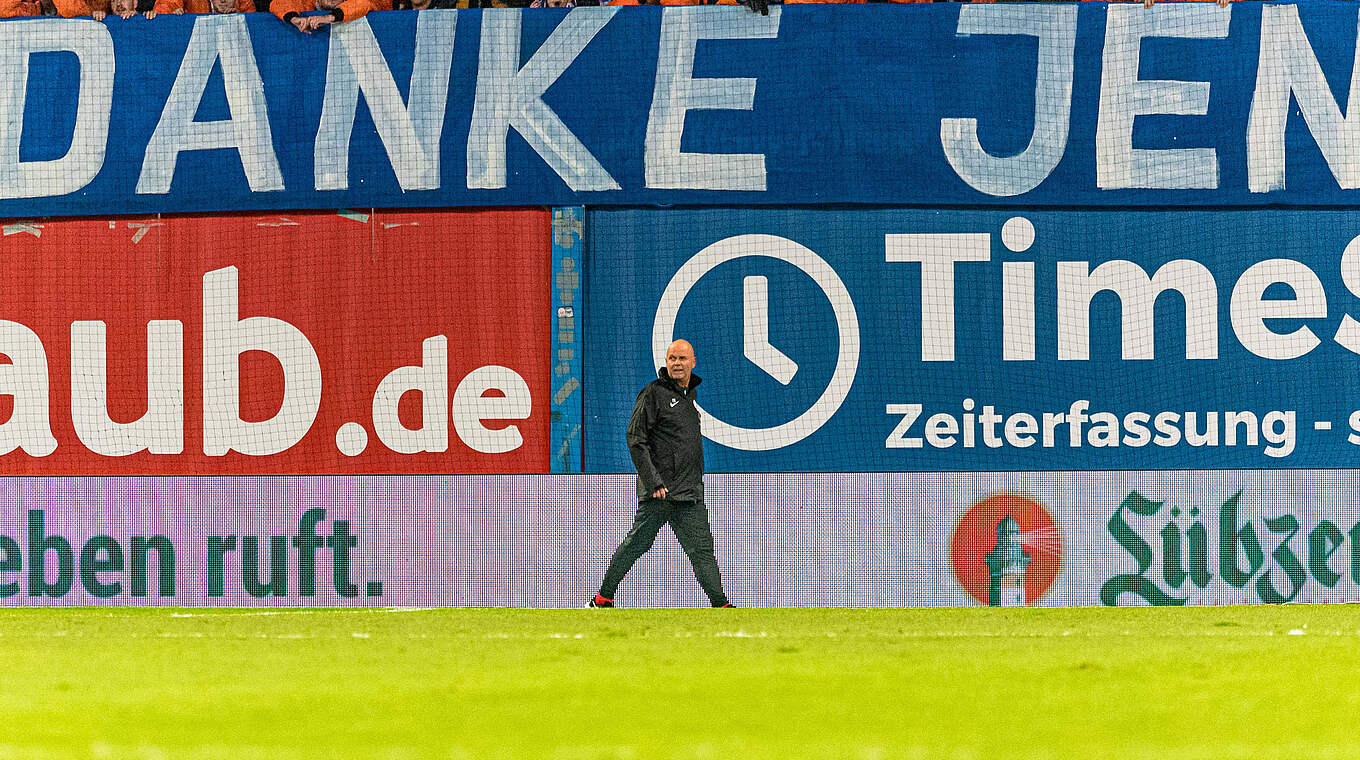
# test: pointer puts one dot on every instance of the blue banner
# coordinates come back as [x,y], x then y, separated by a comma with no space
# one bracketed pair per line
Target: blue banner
[1044,104]
[900,340]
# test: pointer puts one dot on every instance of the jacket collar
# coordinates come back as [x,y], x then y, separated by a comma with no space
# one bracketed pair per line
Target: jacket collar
[665,377]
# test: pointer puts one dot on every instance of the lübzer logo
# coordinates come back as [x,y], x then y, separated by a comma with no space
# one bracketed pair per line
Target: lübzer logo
[1270,553]
[1006,550]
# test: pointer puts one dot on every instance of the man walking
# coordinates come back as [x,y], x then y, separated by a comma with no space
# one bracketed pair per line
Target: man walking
[667,451]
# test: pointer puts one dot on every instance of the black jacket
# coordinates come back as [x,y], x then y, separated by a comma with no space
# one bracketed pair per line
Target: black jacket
[664,440]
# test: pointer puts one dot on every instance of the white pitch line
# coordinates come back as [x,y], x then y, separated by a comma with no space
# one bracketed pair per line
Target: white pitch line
[306,611]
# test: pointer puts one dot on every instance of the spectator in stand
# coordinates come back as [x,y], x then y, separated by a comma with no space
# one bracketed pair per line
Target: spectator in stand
[19,8]
[423,5]
[757,6]
[126,9]
[66,8]
[198,6]
[216,6]
[62,8]
[336,11]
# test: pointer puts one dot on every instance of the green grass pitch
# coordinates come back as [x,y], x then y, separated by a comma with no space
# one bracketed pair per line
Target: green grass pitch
[1220,683]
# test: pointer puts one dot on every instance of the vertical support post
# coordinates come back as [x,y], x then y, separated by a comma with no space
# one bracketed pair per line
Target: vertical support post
[564,431]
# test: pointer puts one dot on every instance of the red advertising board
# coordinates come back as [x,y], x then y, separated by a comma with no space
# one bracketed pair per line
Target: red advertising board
[350,342]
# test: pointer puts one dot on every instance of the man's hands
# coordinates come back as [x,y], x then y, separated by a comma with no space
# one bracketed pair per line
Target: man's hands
[660,493]
[309,24]
[101,15]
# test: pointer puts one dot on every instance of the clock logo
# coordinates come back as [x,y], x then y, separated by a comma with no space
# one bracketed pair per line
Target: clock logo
[756,345]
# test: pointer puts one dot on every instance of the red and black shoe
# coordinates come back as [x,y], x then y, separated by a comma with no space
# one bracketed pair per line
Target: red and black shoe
[729,605]
[601,601]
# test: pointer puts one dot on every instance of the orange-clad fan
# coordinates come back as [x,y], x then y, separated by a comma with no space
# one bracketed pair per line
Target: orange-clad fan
[67,8]
[126,9]
[757,6]
[18,8]
[207,6]
[98,9]
[338,11]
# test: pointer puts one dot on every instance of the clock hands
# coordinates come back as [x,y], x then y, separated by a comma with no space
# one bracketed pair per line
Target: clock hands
[756,331]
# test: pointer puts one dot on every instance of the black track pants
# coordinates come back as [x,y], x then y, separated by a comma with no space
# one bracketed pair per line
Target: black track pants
[689,520]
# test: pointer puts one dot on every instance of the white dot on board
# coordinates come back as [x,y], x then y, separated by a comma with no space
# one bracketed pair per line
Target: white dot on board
[1017,234]
[351,439]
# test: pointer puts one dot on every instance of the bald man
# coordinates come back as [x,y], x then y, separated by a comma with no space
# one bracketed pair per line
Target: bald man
[667,451]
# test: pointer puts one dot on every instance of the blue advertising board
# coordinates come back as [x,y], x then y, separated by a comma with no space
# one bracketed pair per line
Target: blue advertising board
[1043,104]
[1030,339]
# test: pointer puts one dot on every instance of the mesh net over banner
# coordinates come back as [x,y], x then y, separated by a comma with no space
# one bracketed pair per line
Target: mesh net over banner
[1030,347]
[1013,304]
[300,343]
